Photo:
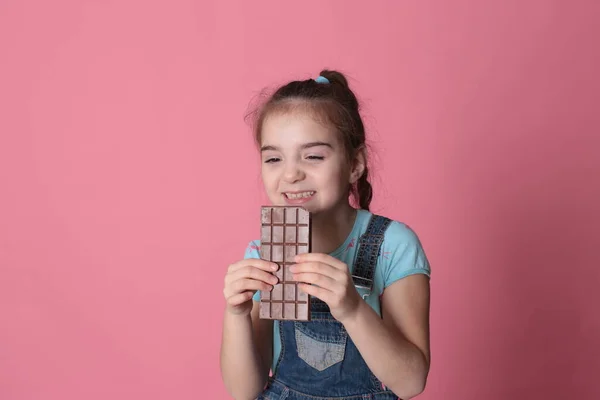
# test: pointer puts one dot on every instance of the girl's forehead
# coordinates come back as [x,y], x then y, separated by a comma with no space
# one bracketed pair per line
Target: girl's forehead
[295,126]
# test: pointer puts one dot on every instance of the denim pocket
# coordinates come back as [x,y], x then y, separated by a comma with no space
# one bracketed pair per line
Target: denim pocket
[271,396]
[273,393]
[321,342]
[268,396]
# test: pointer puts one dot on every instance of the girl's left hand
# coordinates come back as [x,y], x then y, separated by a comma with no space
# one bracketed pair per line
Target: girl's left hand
[331,283]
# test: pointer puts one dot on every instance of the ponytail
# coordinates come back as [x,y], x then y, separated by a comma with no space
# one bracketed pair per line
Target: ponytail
[364,191]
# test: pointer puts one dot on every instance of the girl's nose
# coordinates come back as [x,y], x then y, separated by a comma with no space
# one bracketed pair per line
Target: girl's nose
[293,173]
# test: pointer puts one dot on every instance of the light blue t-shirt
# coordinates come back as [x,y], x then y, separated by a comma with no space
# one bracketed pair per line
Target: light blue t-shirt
[401,255]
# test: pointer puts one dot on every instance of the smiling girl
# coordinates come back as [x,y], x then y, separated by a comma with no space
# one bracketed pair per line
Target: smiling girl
[369,275]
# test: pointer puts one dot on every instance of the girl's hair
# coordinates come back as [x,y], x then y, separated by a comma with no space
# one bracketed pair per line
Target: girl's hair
[333,103]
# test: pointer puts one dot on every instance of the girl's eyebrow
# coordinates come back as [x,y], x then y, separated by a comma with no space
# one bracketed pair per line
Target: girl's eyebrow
[303,147]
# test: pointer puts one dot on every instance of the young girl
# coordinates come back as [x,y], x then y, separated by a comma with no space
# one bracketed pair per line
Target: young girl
[368,275]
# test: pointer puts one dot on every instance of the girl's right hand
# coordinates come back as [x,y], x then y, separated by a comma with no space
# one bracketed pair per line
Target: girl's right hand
[243,279]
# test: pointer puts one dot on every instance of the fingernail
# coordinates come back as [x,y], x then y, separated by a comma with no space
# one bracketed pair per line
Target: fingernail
[274,267]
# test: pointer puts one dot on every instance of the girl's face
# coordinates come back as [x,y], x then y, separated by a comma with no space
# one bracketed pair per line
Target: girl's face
[304,163]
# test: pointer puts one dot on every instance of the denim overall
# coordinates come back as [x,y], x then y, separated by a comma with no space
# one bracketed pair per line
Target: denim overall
[318,359]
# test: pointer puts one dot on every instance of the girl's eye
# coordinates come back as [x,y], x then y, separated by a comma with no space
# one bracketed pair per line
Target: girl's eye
[271,160]
[315,157]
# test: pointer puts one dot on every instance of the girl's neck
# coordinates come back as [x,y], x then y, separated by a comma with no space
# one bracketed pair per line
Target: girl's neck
[330,230]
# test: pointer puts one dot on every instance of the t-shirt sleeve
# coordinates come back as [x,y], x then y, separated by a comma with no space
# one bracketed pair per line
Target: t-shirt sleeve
[403,254]
[253,251]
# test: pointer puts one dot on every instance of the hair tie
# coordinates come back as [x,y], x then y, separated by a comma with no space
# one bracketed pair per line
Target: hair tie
[322,79]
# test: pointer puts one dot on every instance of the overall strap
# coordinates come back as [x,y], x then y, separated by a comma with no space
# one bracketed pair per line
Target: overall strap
[366,260]
[368,252]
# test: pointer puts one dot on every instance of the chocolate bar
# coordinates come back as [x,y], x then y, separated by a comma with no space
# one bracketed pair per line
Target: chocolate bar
[285,232]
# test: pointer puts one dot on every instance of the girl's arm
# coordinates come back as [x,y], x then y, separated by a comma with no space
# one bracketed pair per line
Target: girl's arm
[246,353]
[396,347]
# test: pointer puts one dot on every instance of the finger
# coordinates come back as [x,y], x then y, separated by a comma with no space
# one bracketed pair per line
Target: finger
[239,298]
[320,258]
[320,280]
[254,274]
[254,262]
[251,272]
[319,292]
[246,285]
[319,268]
[243,285]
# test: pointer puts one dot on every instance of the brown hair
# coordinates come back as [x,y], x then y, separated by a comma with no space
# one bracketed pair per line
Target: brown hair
[333,103]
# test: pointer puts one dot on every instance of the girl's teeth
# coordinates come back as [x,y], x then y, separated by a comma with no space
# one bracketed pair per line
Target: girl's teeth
[299,195]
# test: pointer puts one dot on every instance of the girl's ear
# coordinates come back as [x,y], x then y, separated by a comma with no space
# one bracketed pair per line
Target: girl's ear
[358,165]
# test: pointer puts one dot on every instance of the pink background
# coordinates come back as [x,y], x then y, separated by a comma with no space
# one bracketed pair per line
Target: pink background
[121,123]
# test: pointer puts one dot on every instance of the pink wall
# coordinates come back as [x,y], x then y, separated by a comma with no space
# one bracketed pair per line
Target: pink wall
[120,125]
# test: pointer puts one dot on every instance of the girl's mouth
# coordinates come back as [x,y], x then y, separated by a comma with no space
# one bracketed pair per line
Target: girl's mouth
[298,197]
